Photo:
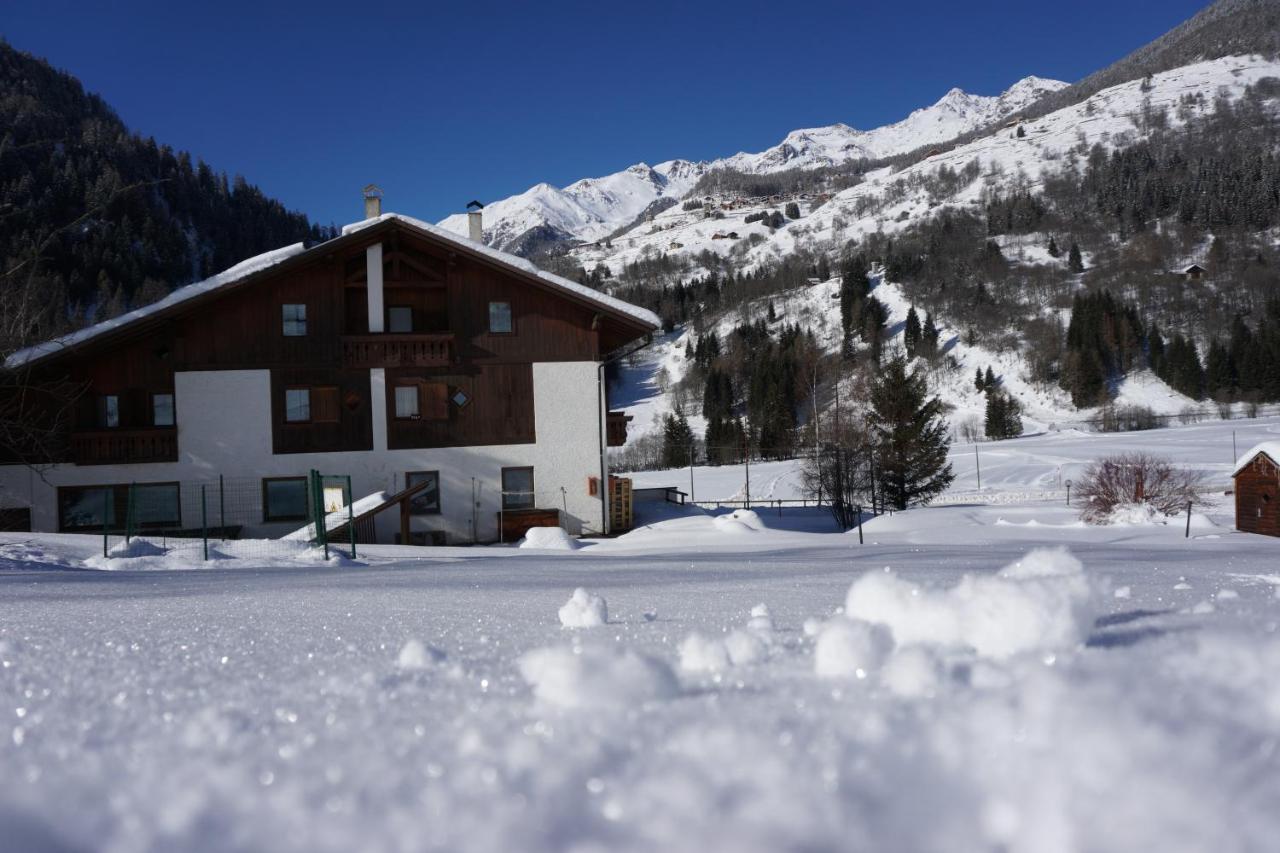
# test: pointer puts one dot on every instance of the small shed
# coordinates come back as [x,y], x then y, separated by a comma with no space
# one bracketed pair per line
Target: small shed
[1195,272]
[1257,490]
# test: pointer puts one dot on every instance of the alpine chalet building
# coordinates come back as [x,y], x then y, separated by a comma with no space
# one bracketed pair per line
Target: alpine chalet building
[396,353]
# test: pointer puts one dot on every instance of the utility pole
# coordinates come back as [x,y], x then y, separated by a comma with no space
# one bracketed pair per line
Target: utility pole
[1235,454]
[979,466]
[817,444]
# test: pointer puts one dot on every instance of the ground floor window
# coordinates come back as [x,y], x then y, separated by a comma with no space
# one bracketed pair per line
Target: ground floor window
[517,488]
[85,508]
[154,505]
[284,499]
[427,501]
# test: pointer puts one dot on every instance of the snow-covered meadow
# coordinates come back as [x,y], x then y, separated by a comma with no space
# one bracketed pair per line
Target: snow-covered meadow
[978,675]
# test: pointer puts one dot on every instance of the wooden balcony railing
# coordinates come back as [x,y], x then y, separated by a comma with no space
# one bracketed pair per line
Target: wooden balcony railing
[113,446]
[426,350]
[616,428]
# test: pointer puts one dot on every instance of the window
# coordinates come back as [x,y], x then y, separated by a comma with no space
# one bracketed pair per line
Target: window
[162,410]
[86,508]
[284,499]
[157,505]
[500,318]
[517,488]
[399,319]
[407,401]
[294,319]
[297,405]
[109,411]
[427,501]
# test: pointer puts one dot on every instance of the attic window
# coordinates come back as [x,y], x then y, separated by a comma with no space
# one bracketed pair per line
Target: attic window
[460,398]
[294,320]
[500,318]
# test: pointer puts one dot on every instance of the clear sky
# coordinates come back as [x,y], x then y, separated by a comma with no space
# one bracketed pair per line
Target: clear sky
[440,103]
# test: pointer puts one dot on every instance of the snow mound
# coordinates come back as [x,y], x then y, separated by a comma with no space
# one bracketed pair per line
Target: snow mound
[739,521]
[851,648]
[549,539]
[912,673]
[740,647]
[584,610]
[1042,602]
[597,678]
[699,653]
[137,548]
[417,655]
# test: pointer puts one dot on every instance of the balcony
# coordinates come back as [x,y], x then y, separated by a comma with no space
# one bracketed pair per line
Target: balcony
[397,350]
[616,428]
[116,446]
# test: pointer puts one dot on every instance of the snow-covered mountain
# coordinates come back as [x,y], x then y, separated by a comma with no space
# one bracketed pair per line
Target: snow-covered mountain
[593,208]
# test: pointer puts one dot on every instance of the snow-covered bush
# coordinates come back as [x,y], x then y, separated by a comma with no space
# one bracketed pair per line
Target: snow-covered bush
[1112,486]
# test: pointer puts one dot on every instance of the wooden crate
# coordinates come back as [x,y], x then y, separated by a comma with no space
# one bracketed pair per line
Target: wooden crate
[621,512]
[516,522]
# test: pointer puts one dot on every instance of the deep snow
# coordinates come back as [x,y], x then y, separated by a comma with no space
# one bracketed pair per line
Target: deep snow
[756,683]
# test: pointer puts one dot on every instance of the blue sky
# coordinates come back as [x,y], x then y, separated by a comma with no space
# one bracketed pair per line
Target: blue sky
[441,103]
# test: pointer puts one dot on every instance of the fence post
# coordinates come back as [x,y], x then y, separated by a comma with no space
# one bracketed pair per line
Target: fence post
[1187,535]
[351,516]
[128,515]
[858,509]
[204,521]
[222,508]
[106,498]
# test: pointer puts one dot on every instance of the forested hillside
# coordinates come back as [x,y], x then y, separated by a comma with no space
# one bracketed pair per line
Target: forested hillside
[99,219]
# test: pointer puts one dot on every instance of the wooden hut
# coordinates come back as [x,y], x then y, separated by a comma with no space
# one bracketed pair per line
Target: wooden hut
[1257,490]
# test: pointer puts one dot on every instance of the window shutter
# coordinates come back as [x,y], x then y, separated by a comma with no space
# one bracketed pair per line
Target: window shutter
[434,399]
[324,405]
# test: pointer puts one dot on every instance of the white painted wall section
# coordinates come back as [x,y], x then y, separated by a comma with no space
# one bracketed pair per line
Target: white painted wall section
[373,274]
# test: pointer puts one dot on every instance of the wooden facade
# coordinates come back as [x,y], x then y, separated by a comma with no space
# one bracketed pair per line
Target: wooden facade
[477,384]
[1257,492]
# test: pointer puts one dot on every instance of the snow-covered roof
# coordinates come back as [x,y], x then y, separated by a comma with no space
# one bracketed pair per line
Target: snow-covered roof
[635,312]
[182,294]
[276,256]
[1271,448]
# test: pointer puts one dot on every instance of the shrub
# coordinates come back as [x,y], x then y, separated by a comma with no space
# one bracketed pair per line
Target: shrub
[1190,415]
[1127,419]
[1135,479]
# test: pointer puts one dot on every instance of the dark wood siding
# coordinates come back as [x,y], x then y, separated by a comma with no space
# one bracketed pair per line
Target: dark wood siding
[1257,489]
[449,291]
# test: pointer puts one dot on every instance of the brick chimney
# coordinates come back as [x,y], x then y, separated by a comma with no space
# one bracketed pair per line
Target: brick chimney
[372,202]
[475,221]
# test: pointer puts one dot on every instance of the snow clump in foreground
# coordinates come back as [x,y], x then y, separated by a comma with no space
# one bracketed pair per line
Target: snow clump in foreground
[1042,602]
[597,677]
[584,610]
[416,655]
[740,647]
[549,539]
[849,647]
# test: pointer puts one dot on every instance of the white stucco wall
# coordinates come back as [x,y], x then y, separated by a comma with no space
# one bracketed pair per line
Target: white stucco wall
[224,428]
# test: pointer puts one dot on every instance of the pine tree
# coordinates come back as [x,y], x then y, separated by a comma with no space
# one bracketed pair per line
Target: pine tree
[793,210]
[910,437]
[677,439]
[1022,132]
[978,382]
[771,314]
[930,337]
[1003,415]
[911,334]
[1054,251]
[989,379]
[1074,262]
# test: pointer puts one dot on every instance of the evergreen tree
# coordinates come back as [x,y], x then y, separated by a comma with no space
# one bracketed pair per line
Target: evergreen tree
[978,382]
[1003,415]
[909,436]
[677,439]
[989,378]
[930,337]
[1022,132]
[911,334]
[793,210]
[1054,251]
[1074,262]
